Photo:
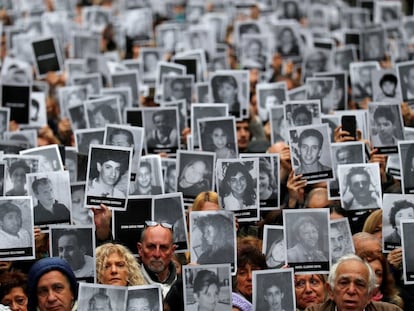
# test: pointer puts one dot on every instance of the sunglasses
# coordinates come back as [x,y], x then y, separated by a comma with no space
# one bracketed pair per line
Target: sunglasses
[151,223]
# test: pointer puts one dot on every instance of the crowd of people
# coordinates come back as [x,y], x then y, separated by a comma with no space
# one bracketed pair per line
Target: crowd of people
[227,52]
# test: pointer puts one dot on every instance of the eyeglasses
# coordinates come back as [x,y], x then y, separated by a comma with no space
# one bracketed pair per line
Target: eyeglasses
[313,282]
[151,223]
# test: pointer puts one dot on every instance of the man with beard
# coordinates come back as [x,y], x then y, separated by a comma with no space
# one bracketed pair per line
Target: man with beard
[156,249]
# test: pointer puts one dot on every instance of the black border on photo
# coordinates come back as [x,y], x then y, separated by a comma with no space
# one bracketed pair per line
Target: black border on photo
[344,238]
[127,78]
[152,175]
[153,294]
[84,138]
[277,125]
[107,107]
[309,110]
[316,260]
[116,295]
[47,57]
[407,230]
[17,98]
[273,240]
[340,96]
[270,95]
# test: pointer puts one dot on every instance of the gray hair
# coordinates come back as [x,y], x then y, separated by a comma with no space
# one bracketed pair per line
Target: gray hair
[332,273]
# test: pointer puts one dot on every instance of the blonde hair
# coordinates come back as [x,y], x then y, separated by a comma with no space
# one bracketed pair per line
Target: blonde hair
[135,276]
[202,197]
[373,221]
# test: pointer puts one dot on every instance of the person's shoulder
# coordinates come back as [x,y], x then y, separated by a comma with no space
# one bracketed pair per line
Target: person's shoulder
[382,306]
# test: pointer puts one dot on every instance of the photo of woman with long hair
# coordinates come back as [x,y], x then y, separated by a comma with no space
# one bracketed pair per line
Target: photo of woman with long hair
[219,136]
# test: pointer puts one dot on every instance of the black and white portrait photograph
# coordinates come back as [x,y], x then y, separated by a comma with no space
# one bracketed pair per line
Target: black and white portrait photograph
[270,95]
[407,227]
[96,18]
[144,297]
[4,120]
[287,39]
[138,25]
[51,197]
[92,82]
[339,98]
[341,239]
[207,287]
[195,172]
[213,237]
[386,86]
[201,111]
[166,69]
[322,89]
[16,167]
[200,37]
[161,129]
[37,111]
[169,208]
[238,187]
[47,56]
[15,71]
[231,87]
[302,112]
[183,112]
[306,239]
[333,122]
[359,185]
[385,126]
[76,245]
[74,67]
[273,290]
[361,82]
[106,166]
[343,56]
[124,95]
[269,179]
[17,98]
[16,228]
[344,153]
[149,179]
[218,135]
[169,168]
[80,214]
[127,136]
[26,139]
[102,111]
[150,58]
[372,44]
[310,149]
[50,159]
[406,77]
[199,68]
[278,125]
[101,297]
[396,208]
[406,155]
[71,163]
[84,44]
[386,12]
[87,137]
[167,36]
[315,60]
[274,246]
[70,96]
[255,51]
[297,93]
[177,87]
[242,28]
[201,92]
[130,79]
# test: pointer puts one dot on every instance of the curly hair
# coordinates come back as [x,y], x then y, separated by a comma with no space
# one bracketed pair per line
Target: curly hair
[135,276]
[249,195]
[222,225]
[398,206]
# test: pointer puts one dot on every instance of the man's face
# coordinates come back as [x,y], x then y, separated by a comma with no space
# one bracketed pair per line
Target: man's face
[177,90]
[54,292]
[359,185]
[100,305]
[344,156]
[70,250]
[243,134]
[109,172]
[309,150]
[160,122]
[273,296]
[385,128]
[144,177]
[227,93]
[337,243]
[138,304]
[120,140]
[388,87]
[157,248]
[350,290]
[45,194]
[11,223]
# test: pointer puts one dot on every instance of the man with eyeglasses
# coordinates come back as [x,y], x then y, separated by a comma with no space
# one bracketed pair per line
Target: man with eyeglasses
[156,250]
[351,283]
[358,184]
[52,285]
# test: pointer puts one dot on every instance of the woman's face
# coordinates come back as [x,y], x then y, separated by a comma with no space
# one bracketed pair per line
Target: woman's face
[18,177]
[264,181]
[406,213]
[278,252]
[208,298]
[115,270]
[219,138]
[309,290]
[377,267]
[238,184]
[209,234]
[11,223]
[16,299]
[195,172]
[227,93]
[309,234]
[286,36]
[244,280]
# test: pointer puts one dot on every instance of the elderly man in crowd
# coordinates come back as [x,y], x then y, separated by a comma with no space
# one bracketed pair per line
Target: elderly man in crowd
[351,282]
[52,285]
[156,250]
